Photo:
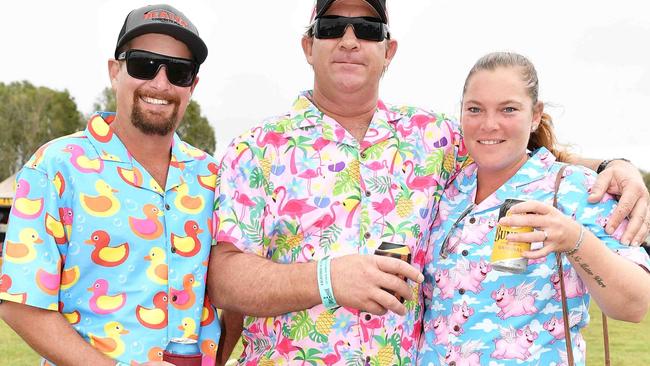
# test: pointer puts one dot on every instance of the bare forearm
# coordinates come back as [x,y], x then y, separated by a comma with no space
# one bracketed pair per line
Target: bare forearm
[232,325]
[252,285]
[620,287]
[64,347]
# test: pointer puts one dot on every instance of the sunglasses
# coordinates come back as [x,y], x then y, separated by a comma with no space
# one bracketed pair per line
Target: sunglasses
[145,65]
[367,28]
[444,251]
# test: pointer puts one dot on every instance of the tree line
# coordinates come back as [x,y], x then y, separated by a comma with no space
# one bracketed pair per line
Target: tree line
[32,115]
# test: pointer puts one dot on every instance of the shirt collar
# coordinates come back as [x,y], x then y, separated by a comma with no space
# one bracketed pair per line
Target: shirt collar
[110,148]
[304,114]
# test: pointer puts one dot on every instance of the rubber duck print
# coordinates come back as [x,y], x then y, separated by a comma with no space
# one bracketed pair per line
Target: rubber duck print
[185,298]
[188,245]
[188,326]
[25,207]
[209,349]
[112,344]
[155,317]
[101,302]
[51,283]
[81,162]
[209,181]
[186,203]
[208,313]
[150,227]
[132,177]
[67,216]
[22,251]
[55,229]
[5,285]
[59,183]
[104,204]
[73,318]
[104,255]
[100,130]
[157,270]
[192,151]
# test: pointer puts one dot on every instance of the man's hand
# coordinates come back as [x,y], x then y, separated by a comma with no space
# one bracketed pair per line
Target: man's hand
[623,179]
[366,282]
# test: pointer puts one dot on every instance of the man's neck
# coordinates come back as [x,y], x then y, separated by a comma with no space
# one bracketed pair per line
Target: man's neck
[153,152]
[352,111]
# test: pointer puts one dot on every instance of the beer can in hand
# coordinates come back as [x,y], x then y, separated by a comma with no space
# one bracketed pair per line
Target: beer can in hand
[182,352]
[399,251]
[506,257]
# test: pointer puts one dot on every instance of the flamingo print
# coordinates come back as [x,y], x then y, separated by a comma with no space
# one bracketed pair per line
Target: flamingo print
[310,174]
[418,183]
[294,208]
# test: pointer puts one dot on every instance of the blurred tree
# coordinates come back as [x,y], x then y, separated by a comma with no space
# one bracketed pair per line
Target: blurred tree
[29,117]
[194,128]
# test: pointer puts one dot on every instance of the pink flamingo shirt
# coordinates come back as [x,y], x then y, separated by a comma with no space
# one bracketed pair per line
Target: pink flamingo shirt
[299,187]
[94,237]
[476,315]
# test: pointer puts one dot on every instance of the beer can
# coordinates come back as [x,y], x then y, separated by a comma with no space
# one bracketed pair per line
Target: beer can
[182,352]
[506,256]
[399,251]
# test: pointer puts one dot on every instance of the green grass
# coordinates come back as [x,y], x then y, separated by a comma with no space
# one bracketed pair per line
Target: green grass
[628,343]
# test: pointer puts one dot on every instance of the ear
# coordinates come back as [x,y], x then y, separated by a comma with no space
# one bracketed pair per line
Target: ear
[391,50]
[113,71]
[538,110]
[307,47]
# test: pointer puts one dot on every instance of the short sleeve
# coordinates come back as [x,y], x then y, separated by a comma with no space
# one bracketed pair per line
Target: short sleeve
[32,258]
[241,198]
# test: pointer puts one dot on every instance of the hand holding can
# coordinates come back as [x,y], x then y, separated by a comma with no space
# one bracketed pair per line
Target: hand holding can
[507,256]
[399,251]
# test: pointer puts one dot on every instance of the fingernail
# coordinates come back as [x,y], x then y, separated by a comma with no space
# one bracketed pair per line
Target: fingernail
[420,278]
[625,242]
[609,230]
[635,243]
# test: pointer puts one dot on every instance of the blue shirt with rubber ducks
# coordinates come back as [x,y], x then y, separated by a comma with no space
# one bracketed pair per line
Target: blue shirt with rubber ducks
[93,236]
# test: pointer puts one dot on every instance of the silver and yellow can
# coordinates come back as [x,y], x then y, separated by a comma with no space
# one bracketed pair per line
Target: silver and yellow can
[506,256]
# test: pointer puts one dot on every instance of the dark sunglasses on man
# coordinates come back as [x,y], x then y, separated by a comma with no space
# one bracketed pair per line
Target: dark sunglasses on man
[145,65]
[367,28]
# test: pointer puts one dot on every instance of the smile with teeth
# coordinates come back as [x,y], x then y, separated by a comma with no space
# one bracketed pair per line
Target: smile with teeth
[155,101]
[490,142]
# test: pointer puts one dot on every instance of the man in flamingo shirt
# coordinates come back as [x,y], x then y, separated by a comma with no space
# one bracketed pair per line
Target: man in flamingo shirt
[294,249]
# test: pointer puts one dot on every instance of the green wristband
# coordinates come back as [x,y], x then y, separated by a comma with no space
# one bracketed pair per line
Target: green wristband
[325,283]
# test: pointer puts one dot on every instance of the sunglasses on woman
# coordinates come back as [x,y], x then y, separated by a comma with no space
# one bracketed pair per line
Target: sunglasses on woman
[367,28]
[145,65]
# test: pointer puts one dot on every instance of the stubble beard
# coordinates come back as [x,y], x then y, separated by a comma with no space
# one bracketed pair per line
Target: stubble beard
[151,124]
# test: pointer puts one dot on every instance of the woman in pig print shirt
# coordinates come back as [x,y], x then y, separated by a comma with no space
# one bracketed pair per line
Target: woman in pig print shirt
[476,315]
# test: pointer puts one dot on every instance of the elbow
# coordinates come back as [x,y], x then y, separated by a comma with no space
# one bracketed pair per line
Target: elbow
[633,312]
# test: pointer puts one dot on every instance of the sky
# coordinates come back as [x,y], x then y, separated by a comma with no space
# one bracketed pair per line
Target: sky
[592,58]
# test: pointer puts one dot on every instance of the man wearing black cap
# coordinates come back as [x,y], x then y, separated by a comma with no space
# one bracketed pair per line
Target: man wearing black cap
[116,236]
[306,197]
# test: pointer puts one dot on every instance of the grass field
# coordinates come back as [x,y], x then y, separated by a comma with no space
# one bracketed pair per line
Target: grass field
[628,343]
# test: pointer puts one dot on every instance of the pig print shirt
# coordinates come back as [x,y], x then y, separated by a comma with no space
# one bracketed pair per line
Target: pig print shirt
[476,315]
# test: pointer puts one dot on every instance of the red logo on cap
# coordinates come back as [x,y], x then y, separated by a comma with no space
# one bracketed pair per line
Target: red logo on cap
[165,16]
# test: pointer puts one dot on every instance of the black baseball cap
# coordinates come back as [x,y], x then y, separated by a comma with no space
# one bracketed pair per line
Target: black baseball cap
[163,19]
[379,5]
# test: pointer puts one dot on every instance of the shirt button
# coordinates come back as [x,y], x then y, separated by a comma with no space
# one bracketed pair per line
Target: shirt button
[364,155]
[368,193]
[367,360]
[167,207]
[173,249]
[461,291]
[465,253]
[174,298]
[456,328]
[452,363]
[472,220]
[368,317]
[366,235]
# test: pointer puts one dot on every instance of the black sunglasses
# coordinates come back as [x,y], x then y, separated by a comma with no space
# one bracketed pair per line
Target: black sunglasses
[444,250]
[145,65]
[367,28]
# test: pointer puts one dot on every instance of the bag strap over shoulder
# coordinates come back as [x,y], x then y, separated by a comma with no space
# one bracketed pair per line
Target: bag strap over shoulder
[565,308]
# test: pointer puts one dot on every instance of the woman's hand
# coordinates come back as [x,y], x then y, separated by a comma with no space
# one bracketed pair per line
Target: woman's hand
[558,232]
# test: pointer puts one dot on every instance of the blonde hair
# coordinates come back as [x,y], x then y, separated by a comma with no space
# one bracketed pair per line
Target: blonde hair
[543,136]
